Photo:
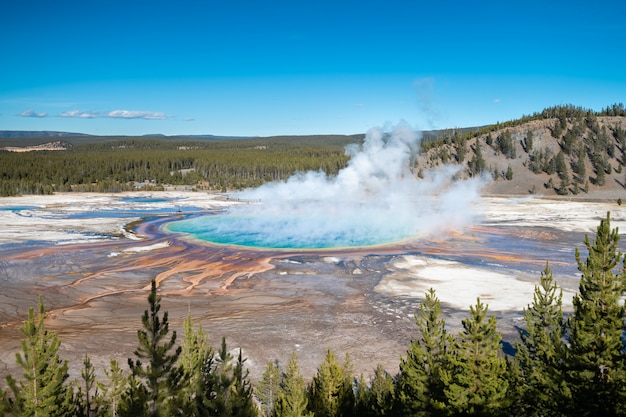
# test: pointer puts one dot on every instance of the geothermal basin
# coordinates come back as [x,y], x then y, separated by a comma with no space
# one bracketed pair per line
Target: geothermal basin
[92,257]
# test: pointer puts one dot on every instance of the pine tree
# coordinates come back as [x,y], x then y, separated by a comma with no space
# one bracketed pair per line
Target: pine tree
[377,399]
[6,405]
[509,173]
[134,400]
[596,362]
[241,399]
[330,392]
[477,384]
[528,142]
[160,376]
[88,399]
[420,388]
[43,391]
[197,364]
[579,166]
[218,402]
[268,388]
[113,390]
[477,163]
[292,400]
[541,352]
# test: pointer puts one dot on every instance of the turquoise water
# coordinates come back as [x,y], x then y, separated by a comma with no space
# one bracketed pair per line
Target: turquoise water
[285,232]
[19,208]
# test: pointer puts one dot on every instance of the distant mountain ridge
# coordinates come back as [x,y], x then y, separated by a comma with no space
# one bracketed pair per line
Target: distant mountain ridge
[18,134]
[31,134]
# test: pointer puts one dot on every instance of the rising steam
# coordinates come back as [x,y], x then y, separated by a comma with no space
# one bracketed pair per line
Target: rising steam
[375,200]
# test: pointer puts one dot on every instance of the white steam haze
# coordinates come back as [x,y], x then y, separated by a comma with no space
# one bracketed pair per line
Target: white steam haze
[375,199]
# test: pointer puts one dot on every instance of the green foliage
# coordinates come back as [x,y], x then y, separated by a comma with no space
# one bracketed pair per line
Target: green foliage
[596,365]
[160,376]
[42,391]
[292,400]
[557,130]
[330,392]
[268,388]
[477,164]
[476,383]
[489,140]
[528,142]
[6,405]
[377,399]
[579,166]
[113,391]
[568,142]
[541,352]
[560,165]
[218,401]
[88,399]
[242,402]
[509,173]
[197,364]
[420,385]
[542,160]
[505,144]
[599,166]
[134,400]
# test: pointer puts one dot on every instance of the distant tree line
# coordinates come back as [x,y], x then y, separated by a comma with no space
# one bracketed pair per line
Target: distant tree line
[564,365]
[119,165]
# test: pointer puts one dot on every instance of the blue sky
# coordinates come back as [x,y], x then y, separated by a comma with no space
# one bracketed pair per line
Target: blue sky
[299,67]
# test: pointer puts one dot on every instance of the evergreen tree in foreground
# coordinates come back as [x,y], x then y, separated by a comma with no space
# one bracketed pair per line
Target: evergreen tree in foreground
[330,392]
[242,401]
[476,384]
[292,400]
[42,392]
[420,387]
[377,399]
[113,390]
[268,388]
[160,376]
[541,352]
[88,400]
[197,361]
[596,362]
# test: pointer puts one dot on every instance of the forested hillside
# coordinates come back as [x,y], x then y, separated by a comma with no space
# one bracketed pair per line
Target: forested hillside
[565,365]
[562,150]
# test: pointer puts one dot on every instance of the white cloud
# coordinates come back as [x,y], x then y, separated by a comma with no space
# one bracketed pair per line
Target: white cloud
[32,113]
[189,119]
[79,114]
[135,114]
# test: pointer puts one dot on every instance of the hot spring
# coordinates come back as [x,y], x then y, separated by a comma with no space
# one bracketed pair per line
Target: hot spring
[291,231]
[375,200]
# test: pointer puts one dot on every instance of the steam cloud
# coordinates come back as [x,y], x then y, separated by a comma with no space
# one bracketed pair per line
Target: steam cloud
[376,199]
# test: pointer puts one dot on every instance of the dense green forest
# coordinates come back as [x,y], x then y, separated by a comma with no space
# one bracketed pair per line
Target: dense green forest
[564,365]
[126,164]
